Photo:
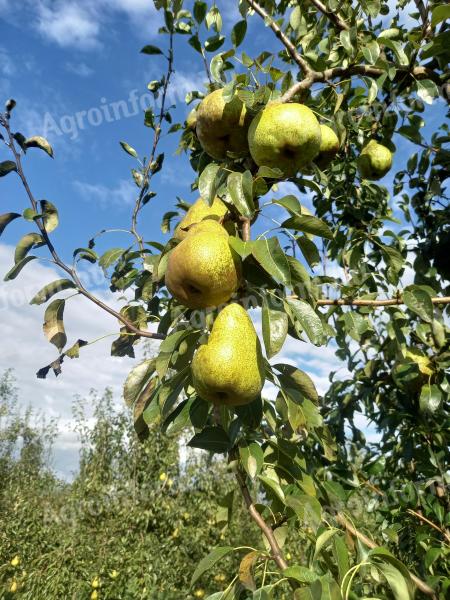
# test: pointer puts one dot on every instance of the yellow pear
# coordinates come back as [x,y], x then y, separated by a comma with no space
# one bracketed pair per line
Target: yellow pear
[284,136]
[229,368]
[374,161]
[222,127]
[202,271]
[197,212]
[329,147]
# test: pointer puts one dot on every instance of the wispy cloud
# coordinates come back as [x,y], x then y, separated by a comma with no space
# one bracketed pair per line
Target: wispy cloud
[122,195]
[81,69]
[68,25]
[7,66]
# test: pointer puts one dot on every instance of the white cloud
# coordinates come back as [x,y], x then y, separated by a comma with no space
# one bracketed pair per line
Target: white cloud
[68,25]
[7,67]
[81,69]
[124,194]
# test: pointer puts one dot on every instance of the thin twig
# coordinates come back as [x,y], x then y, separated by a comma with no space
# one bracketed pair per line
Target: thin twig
[430,523]
[364,302]
[158,128]
[342,520]
[245,232]
[423,11]
[332,16]
[58,261]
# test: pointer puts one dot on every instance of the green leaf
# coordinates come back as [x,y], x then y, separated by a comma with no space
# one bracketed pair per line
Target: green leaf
[301,574]
[427,90]
[207,183]
[49,215]
[308,319]
[238,33]
[323,540]
[29,241]
[439,14]
[214,42]
[6,219]
[371,52]
[252,458]
[270,173]
[290,203]
[209,561]
[137,380]
[394,571]
[419,301]
[430,400]
[7,166]
[200,9]
[213,439]
[129,150]
[240,188]
[151,50]
[243,249]
[347,42]
[309,224]
[397,48]
[12,274]
[274,326]
[110,257]
[309,250]
[38,141]
[51,289]
[295,378]
[271,257]
[274,485]
[54,325]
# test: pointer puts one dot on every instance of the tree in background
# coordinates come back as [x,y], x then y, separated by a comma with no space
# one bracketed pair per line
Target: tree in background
[325,109]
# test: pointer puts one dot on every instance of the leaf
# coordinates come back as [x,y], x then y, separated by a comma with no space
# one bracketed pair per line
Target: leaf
[54,325]
[7,166]
[273,485]
[430,400]
[252,458]
[29,241]
[243,249]
[213,439]
[136,381]
[309,250]
[51,289]
[49,215]
[12,274]
[301,574]
[427,90]
[151,50]
[323,540]
[6,220]
[419,301]
[238,33]
[200,9]
[110,257]
[271,257]
[371,52]
[38,141]
[396,47]
[439,14]
[129,150]
[209,561]
[309,224]
[274,326]
[206,183]
[240,188]
[292,377]
[246,570]
[308,319]
[394,571]
[214,42]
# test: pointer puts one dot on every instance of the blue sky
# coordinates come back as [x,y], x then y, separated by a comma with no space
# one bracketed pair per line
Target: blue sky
[58,59]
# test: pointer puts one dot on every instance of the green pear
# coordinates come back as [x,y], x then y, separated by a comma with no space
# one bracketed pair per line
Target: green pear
[222,127]
[374,161]
[229,368]
[284,136]
[197,212]
[329,147]
[202,270]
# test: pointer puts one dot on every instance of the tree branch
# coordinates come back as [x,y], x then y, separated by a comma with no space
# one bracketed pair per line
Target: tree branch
[296,56]
[430,523]
[423,10]
[58,261]
[333,17]
[344,522]
[277,554]
[364,302]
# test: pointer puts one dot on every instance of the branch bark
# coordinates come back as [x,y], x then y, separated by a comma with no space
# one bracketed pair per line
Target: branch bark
[363,302]
[344,522]
[333,17]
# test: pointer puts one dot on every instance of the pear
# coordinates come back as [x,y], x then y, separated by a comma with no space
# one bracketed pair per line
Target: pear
[197,212]
[229,368]
[329,147]
[222,127]
[423,362]
[202,271]
[374,161]
[284,136]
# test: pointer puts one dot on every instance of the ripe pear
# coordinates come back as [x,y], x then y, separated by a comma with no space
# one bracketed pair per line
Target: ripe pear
[374,161]
[222,127]
[329,147]
[197,212]
[229,368]
[202,271]
[284,136]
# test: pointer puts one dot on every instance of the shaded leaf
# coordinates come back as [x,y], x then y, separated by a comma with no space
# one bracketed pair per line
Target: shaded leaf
[54,325]
[51,289]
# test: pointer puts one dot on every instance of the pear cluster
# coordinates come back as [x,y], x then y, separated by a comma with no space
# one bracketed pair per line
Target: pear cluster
[288,137]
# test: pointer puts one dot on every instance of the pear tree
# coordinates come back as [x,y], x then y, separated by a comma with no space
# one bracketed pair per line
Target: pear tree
[334,104]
